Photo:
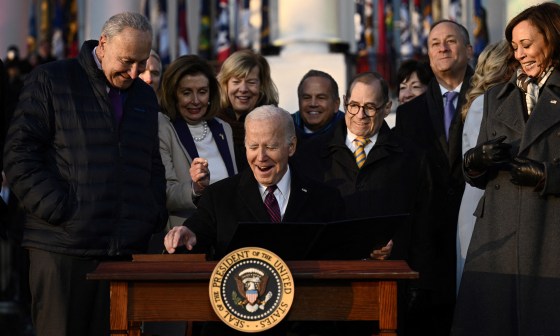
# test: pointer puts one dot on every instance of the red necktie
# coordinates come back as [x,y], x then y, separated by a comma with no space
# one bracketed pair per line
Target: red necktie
[116,102]
[272,205]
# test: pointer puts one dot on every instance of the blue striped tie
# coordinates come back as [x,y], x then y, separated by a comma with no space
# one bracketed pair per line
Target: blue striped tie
[360,153]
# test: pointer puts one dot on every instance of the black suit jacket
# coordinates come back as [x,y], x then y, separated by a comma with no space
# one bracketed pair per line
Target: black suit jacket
[237,199]
[393,180]
[421,120]
[11,219]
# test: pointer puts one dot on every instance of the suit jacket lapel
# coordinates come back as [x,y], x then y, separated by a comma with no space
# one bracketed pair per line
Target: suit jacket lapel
[435,110]
[298,198]
[338,142]
[185,137]
[221,142]
[248,193]
[382,148]
[451,148]
[512,99]
[546,113]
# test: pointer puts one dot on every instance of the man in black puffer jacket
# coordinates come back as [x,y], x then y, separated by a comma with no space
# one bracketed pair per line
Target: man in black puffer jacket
[88,172]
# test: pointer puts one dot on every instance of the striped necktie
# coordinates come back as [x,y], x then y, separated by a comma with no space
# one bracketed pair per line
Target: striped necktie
[271,204]
[360,153]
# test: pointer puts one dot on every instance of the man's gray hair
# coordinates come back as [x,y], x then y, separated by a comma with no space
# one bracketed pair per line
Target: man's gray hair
[118,22]
[274,113]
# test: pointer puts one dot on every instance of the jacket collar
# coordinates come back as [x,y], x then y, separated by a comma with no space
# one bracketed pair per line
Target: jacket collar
[249,193]
[546,112]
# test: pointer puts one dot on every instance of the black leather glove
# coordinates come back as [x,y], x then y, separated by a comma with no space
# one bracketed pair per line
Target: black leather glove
[526,172]
[489,154]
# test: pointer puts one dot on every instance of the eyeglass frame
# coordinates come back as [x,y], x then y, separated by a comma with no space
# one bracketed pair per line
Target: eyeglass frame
[363,108]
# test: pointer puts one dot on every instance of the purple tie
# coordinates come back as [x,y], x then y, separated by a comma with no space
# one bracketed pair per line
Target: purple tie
[116,102]
[449,110]
[272,205]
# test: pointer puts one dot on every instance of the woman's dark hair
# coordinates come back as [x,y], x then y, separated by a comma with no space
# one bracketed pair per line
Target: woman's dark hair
[411,66]
[546,18]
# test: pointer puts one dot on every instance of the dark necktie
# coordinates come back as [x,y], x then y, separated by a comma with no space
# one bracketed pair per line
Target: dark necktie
[116,102]
[449,110]
[272,205]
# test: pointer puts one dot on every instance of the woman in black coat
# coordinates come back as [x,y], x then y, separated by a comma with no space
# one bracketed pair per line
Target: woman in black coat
[511,282]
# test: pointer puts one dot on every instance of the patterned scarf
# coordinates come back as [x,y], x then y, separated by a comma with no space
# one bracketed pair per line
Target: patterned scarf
[531,87]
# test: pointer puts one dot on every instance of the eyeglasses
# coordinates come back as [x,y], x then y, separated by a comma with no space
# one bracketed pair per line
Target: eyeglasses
[369,109]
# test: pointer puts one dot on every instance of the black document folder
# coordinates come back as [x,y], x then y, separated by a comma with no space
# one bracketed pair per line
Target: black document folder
[352,239]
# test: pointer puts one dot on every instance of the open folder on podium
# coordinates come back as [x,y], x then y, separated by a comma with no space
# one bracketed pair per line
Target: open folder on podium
[352,239]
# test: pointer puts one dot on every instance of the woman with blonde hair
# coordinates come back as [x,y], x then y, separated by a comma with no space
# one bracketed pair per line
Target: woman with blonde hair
[245,83]
[495,65]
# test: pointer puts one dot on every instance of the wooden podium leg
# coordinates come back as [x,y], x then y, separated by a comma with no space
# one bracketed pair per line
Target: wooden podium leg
[388,308]
[119,307]
[135,328]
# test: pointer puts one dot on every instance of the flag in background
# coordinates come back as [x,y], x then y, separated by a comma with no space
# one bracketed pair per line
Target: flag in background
[455,12]
[163,33]
[58,49]
[243,25]
[407,49]
[182,38]
[32,28]
[427,20]
[265,25]
[204,38]
[416,29]
[362,61]
[480,32]
[71,29]
[383,66]
[223,45]
[45,20]
[389,41]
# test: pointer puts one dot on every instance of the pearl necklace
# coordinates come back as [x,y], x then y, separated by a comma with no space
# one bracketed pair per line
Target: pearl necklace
[204,132]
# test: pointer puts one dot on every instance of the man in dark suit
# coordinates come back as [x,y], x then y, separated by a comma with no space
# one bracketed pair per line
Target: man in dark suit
[389,177]
[424,120]
[270,140]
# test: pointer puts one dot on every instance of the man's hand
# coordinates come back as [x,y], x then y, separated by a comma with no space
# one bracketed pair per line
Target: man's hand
[179,235]
[200,175]
[383,253]
[526,172]
[491,153]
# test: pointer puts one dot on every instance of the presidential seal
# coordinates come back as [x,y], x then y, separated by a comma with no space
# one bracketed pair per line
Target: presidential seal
[251,289]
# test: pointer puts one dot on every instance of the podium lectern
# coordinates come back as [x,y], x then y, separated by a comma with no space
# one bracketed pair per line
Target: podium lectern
[175,288]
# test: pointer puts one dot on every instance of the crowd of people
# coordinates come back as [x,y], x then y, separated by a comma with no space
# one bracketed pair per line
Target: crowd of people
[109,155]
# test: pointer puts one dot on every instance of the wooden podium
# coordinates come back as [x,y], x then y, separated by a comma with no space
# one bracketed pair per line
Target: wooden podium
[175,288]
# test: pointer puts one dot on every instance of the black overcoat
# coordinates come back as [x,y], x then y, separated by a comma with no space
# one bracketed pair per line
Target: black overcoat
[511,282]
[421,121]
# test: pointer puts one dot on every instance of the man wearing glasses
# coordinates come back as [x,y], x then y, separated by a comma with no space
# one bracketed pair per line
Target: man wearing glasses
[377,172]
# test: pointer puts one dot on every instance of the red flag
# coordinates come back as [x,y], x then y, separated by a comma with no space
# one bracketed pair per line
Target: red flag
[183,39]
[223,45]
[383,66]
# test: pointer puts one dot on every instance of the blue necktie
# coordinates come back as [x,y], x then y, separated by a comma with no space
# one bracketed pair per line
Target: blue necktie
[116,102]
[449,110]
